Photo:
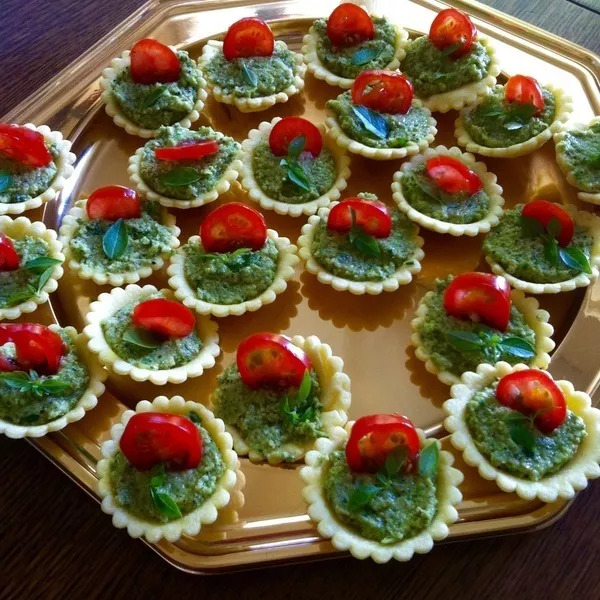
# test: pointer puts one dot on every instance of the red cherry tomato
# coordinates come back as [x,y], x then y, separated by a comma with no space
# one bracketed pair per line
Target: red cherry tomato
[372,438]
[9,259]
[271,360]
[384,91]
[165,317]
[248,37]
[113,202]
[151,438]
[480,297]
[373,216]
[452,175]
[524,90]
[450,28]
[153,62]
[543,211]
[231,226]
[534,392]
[194,151]
[288,129]
[24,145]
[348,25]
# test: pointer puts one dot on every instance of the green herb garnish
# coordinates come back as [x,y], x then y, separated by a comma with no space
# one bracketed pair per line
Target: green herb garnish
[162,500]
[250,77]
[6,180]
[32,384]
[296,408]
[491,344]
[429,460]
[366,55]
[371,120]
[362,241]
[295,173]
[448,50]
[154,95]
[521,432]
[116,239]
[180,176]
[142,338]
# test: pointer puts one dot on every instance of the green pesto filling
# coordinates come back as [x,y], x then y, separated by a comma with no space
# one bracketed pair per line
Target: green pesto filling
[581,151]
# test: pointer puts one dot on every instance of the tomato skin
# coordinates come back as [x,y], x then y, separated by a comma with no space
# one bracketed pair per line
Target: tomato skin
[480,297]
[151,438]
[248,37]
[543,211]
[153,62]
[530,391]
[524,90]
[452,175]
[164,316]
[288,129]
[372,216]
[348,25]
[375,434]
[384,91]
[24,145]
[9,259]
[450,27]
[113,202]
[193,151]
[271,360]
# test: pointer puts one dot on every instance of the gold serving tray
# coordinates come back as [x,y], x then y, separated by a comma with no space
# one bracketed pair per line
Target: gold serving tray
[371,334]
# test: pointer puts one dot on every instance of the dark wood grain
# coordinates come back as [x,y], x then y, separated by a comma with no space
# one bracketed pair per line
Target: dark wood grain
[56,543]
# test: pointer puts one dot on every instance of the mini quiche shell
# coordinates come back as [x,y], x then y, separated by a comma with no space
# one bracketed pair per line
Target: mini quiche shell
[345,538]
[18,229]
[191,523]
[256,194]
[493,190]
[88,399]
[109,303]
[246,105]
[70,226]
[402,276]
[563,484]
[563,108]
[117,65]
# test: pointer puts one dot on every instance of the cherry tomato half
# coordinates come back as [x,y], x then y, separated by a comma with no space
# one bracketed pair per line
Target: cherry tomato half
[384,91]
[164,316]
[288,129]
[113,202]
[151,438]
[193,151]
[248,37]
[534,392]
[452,175]
[271,360]
[9,259]
[543,211]
[24,145]
[480,297]
[348,25]
[373,216]
[373,437]
[450,28]
[524,90]
[153,62]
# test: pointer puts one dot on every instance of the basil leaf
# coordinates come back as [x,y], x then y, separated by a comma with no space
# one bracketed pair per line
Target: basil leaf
[165,504]
[21,296]
[153,96]
[551,252]
[250,77]
[116,239]
[531,227]
[491,112]
[180,176]
[54,386]
[366,55]
[304,390]
[513,125]
[516,346]
[362,496]
[429,460]
[553,227]
[395,461]
[363,242]
[43,280]
[522,112]
[448,50]
[5,181]
[296,146]
[15,380]
[40,264]
[296,174]
[467,341]
[576,259]
[194,417]
[371,121]
[142,338]
[520,432]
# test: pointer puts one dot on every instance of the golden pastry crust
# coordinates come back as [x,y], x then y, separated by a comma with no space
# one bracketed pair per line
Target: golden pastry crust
[563,484]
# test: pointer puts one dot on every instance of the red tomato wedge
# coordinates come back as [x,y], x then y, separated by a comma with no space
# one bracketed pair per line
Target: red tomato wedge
[524,90]
[248,37]
[24,145]
[271,360]
[534,392]
[288,129]
[166,317]
[384,91]
[231,226]
[479,297]
[453,28]
[151,438]
[194,151]
[153,62]
[113,202]
[452,175]
[373,437]
[9,259]
[348,25]
[543,211]
[371,215]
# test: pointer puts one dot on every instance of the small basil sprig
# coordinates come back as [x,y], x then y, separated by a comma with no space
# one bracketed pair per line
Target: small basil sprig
[491,344]
[116,239]
[521,430]
[516,116]
[30,383]
[162,500]
[180,176]
[448,50]
[154,95]
[366,55]
[362,241]
[294,171]
[250,77]
[6,180]
[42,266]
[142,338]
[371,120]
[295,408]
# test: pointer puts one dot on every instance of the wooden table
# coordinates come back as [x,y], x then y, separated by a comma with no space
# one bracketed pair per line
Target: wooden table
[56,543]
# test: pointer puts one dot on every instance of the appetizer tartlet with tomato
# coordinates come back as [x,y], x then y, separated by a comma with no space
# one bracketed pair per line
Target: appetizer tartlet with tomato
[379,119]
[451,66]
[167,470]
[476,318]
[545,248]
[48,378]
[447,191]
[116,237]
[293,167]
[146,334]
[181,168]
[380,489]
[513,119]
[529,433]
[153,85]
[31,261]
[280,395]
[250,69]
[35,163]
[362,246]
[350,41]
